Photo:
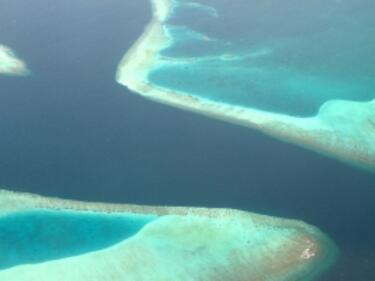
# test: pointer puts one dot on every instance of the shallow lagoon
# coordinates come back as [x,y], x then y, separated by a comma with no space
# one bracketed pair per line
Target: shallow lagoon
[37,236]
[288,57]
[91,139]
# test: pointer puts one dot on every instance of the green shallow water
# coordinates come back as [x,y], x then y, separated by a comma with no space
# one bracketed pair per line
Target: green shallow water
[41,235]
[288,57]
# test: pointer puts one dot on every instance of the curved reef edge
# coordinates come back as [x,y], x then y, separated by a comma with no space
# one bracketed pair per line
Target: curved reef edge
[183,243]
[344,130]
[10,64]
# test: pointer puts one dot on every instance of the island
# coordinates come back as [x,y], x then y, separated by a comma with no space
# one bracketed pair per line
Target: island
[10,64]
[46,239]
[340,128]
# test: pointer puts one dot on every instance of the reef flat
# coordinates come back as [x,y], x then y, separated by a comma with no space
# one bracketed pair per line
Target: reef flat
[158,243]
[343,129]
[10,64]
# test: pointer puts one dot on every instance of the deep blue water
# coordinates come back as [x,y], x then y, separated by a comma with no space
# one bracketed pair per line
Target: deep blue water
[70,131]
[287,57]
[39,236]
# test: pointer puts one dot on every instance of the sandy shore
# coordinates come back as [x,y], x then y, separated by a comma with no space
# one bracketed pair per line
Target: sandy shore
[344,130]
[181,244]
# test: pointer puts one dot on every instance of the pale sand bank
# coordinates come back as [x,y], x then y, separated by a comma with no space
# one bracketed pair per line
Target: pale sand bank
[183,244]
[344,130]
[10,64]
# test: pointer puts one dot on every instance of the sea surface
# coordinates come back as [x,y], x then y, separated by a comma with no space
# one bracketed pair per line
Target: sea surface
[69,130]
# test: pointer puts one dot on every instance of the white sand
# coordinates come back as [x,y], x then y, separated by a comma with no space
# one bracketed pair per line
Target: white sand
[344,130]
[10,64]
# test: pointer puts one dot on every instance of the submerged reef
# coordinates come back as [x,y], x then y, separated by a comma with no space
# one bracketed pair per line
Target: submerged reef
[46,239]
[278,81]
[10,64]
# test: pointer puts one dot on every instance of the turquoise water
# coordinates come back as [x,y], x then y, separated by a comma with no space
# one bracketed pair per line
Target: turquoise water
[38,236]
[70,131]
[280,56]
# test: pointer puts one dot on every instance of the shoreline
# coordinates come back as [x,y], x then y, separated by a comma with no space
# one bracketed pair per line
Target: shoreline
[302,251]
[344,130]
